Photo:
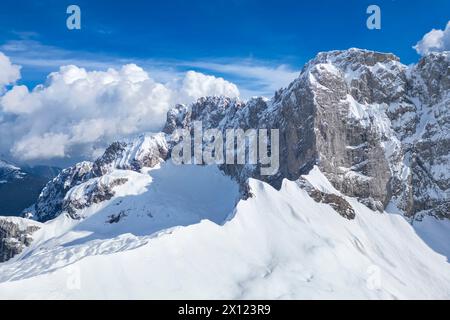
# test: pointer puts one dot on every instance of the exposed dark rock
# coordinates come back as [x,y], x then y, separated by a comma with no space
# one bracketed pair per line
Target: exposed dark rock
[115,218]
[338,203]
[15,235]
[94,191]
[144,151]
[51,200]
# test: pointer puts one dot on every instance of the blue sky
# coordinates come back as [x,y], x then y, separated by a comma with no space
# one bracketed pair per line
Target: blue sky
[240,40]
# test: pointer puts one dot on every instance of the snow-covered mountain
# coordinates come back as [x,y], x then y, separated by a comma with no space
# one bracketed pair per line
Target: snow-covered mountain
[171,232]
[359,208]
[8,172]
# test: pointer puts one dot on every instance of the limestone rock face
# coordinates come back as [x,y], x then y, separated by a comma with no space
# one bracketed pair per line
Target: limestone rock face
[51,200]
[337,202]
[378,130]
[63,193]
[93,191]
[428,148]
[15,234]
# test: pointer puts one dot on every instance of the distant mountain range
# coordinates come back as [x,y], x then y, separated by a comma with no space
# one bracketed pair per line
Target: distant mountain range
[19,187]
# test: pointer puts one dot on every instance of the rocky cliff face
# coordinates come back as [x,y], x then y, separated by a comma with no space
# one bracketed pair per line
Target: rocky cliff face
[15,234]
[427,144]
[59,195]
[379,131]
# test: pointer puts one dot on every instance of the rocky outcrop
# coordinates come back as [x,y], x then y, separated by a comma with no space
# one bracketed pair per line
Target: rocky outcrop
[337,202]
[427,148]
[50,202]
[144,152]
[81,185]
[94,191]
[15,234]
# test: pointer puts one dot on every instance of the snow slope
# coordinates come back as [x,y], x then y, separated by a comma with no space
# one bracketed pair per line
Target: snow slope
[180,238]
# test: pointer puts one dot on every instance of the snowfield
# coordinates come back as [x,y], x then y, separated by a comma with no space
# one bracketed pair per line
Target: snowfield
[177,232]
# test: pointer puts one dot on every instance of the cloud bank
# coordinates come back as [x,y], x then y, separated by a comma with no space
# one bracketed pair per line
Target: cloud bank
[9,73]
[253,76]
[76,113]
[435,40]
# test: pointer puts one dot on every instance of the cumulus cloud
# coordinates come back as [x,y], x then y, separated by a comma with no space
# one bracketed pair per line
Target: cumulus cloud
[196,84]
[265,78]
[77,112]
[49,145]
[9,73]
[435,40]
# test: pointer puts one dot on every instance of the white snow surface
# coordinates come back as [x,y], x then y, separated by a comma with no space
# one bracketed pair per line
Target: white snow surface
[182,236]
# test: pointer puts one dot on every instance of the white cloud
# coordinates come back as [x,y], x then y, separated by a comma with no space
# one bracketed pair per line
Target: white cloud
[49,145]
[195,84]
[9,73]
[435,40]
[254,77]
[266,78]
[78,111]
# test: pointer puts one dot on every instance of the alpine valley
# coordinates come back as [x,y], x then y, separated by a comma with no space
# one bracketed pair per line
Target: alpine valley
[358,209]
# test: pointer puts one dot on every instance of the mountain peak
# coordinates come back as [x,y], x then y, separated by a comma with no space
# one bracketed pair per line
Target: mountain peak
[352,57]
